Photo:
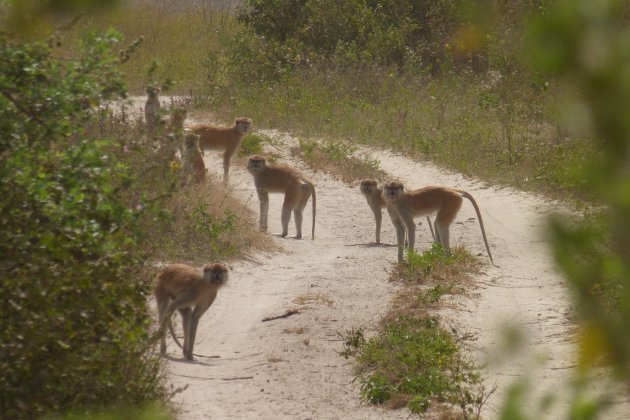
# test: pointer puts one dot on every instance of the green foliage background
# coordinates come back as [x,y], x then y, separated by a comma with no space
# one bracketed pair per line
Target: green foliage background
[73,314]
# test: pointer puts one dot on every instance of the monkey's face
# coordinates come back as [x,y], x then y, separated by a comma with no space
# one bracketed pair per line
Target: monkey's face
[256,164]
[216,274]
[392,191]
[368,186]
[152,91]
[243,124]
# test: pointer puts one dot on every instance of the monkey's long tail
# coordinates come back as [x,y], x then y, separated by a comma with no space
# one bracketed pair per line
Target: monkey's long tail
[431,227]
[483,231]
[314,207]
[170,328]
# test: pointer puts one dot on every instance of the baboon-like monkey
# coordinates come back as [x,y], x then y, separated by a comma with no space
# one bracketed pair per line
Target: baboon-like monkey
[193,166]
[176,122]
[190,291]
[374,196]
[152,110]
[228,139]
[280,178]
[175,130]
[445,201]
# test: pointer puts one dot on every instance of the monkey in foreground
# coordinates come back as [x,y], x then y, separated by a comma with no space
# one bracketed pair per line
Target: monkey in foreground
[280,178]
[152,110]
[374,196]
[193,166]
[445,201]
[191,292]
[228,139]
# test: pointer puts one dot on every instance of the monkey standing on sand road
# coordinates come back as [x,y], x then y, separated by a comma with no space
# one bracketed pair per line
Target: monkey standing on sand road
[152,111]
[280,178]
[190,291]
[424,201]
[374,196]
[228,139]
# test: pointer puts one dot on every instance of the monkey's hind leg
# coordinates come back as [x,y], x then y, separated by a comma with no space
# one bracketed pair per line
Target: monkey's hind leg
[298,211]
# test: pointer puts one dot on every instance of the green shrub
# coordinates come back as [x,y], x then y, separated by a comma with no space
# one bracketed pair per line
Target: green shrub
[73,323]
[252,145]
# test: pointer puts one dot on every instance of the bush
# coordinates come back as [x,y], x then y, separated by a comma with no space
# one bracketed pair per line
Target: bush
[73,323]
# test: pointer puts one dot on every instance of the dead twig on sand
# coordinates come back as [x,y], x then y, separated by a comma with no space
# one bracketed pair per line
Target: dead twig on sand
[285,315]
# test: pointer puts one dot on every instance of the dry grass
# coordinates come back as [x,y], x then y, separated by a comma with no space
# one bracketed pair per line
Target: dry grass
[179,40]
[274,358]
[338,159]
[413,361]
[206,223]
[426,278]
[295,330]
[313,298]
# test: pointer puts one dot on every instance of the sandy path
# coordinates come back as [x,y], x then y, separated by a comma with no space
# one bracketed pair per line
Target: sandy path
[267,370]
[290,375]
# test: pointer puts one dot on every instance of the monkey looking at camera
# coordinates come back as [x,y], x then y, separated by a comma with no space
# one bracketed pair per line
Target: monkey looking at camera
[283,179]
[190,291]
[444,201]
[228,139]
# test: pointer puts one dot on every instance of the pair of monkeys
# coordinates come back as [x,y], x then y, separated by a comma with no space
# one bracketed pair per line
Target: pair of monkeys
[403,206]
[190,291]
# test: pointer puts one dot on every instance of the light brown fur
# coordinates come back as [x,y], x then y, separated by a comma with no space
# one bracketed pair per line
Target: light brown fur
[193,166]
[374,196]
[190,291]
[444,201]
[228,139]
[283,179]
[175,130]
[152,111]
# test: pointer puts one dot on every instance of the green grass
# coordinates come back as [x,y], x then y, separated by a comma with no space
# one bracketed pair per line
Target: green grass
[253,145]
[500,130]
[509,140]
[178,41]
[412,360]
[339,159]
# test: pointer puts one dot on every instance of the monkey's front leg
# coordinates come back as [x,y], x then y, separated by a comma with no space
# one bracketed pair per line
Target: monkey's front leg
[263,197]
[193,323]
[378,217]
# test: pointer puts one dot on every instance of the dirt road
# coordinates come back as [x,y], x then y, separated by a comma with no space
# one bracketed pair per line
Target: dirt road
[291,367]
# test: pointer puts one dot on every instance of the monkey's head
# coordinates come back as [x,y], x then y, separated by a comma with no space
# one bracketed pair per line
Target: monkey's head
[152,91]
[393,191]
[178,115]
[368,186]
[242,124]
[215,274]
[256,164]
[191,141]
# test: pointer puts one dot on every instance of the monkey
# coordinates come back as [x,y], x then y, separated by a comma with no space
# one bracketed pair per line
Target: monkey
[280,178]
[193,165]
[152,110]
[228,139]
[191,292]
[445,201]
[175,130]
[374,196]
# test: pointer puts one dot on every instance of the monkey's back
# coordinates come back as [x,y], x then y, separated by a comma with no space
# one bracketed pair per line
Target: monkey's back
[430,199]
[176,277]
[213,137]
[280,178]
